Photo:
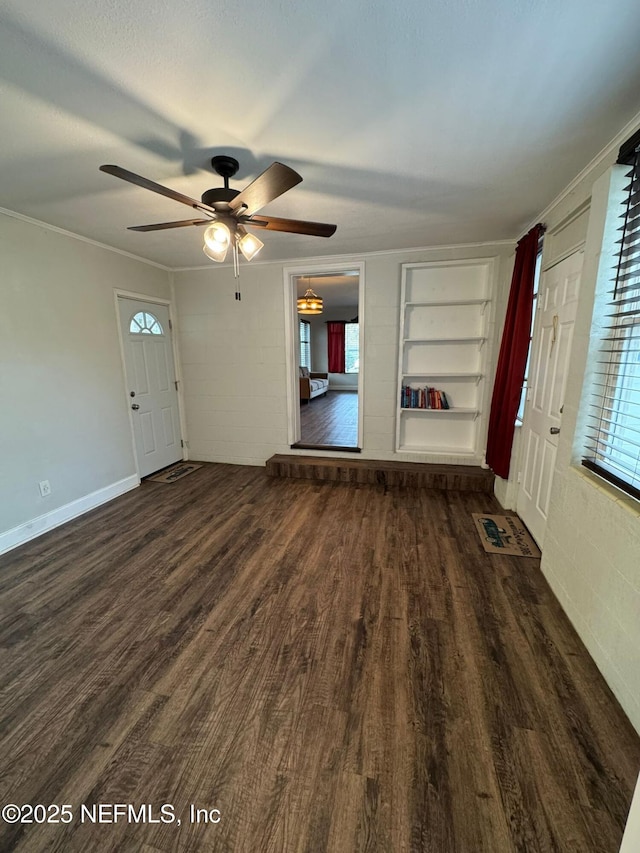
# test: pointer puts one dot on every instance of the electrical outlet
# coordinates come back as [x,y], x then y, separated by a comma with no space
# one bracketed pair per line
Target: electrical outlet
[45,488]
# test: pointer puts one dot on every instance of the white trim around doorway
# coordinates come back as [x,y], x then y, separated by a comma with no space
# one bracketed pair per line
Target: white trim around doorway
[291,331]
[118,293]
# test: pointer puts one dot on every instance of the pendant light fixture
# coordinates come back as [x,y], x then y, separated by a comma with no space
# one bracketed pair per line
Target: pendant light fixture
[310,303]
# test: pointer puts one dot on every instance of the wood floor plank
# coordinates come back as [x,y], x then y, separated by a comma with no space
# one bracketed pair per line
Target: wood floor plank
[334,666]
[330,420]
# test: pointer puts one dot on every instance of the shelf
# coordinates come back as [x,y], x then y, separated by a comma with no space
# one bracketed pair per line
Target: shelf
[443,304]
[441,451]
[477,340]
[454,410]
[442,375]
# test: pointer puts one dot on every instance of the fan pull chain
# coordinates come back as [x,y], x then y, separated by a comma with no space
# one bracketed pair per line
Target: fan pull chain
[236,272]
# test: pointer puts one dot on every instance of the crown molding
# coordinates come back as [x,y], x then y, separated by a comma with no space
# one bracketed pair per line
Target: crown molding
[355,256]
[12,214]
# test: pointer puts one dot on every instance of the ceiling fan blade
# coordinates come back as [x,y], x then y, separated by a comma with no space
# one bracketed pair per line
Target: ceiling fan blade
[146,184]
[294,226]
[271,183]
[160,226]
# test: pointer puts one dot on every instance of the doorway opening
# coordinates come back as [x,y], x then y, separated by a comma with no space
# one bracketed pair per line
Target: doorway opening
[325,358]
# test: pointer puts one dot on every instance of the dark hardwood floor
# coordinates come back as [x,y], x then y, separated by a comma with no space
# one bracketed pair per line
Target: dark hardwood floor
[330,421]
[332,666]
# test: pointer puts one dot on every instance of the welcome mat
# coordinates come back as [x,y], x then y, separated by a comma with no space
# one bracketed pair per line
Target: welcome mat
[504,534]
[176,472]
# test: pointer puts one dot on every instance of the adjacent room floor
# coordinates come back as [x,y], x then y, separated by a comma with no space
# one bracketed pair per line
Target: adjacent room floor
[282,665]
[330,421]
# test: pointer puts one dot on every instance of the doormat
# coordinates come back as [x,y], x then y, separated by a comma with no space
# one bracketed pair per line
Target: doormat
[504,534]
[176,472]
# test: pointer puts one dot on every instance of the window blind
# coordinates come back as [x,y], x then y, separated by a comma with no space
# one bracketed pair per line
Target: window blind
[304,328]
[613,436]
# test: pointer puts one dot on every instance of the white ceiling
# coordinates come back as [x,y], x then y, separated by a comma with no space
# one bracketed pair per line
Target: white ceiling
[412,124]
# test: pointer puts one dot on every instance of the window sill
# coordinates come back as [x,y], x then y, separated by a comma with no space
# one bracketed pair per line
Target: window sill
[627,502]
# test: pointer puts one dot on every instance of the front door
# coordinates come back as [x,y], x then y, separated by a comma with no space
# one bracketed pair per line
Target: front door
[151,383]
[550,353]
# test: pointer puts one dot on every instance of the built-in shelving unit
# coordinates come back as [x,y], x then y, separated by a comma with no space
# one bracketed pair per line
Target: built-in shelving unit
[443,332]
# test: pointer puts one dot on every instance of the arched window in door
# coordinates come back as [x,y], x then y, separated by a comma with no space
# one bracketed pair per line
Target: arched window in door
[145,323]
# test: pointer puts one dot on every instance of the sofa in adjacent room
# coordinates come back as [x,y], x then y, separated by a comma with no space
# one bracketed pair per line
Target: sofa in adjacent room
[312,384]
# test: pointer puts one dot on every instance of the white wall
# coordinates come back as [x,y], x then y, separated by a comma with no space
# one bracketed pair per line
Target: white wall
[631,839]
[591,555]
[233,362]
[319,353]
[233,353]
[63,415]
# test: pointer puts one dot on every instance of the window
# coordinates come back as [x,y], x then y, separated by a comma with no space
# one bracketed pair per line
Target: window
[613,445]
[144,323]
[305,343]
[352,347]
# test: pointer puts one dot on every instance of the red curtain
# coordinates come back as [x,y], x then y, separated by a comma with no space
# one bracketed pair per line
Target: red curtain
[335,344]
[512,360]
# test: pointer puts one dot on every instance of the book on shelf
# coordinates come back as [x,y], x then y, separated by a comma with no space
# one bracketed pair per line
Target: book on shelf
[423,398]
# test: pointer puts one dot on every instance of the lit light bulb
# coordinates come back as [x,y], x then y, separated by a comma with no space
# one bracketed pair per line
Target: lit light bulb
[216,241]
[249,245]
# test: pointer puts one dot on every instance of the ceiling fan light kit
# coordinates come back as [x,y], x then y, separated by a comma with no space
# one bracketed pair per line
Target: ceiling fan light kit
[227,211]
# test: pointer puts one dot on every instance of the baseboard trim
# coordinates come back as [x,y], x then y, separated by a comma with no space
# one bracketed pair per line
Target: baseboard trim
[17,536]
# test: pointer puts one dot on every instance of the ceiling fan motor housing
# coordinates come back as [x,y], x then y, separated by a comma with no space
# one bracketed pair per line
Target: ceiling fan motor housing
[215,196]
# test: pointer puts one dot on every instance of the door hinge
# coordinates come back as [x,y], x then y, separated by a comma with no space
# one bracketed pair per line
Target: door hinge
[170,325]
[175,382]
[519,479]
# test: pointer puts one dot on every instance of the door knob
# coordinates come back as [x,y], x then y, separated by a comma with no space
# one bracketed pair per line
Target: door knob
[554,430]
[135,406]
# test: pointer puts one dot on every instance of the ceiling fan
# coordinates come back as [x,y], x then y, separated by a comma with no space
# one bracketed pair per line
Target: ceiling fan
[226,211]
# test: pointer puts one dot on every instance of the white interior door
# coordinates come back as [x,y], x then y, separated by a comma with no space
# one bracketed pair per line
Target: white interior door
[550,352]
[151,383]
